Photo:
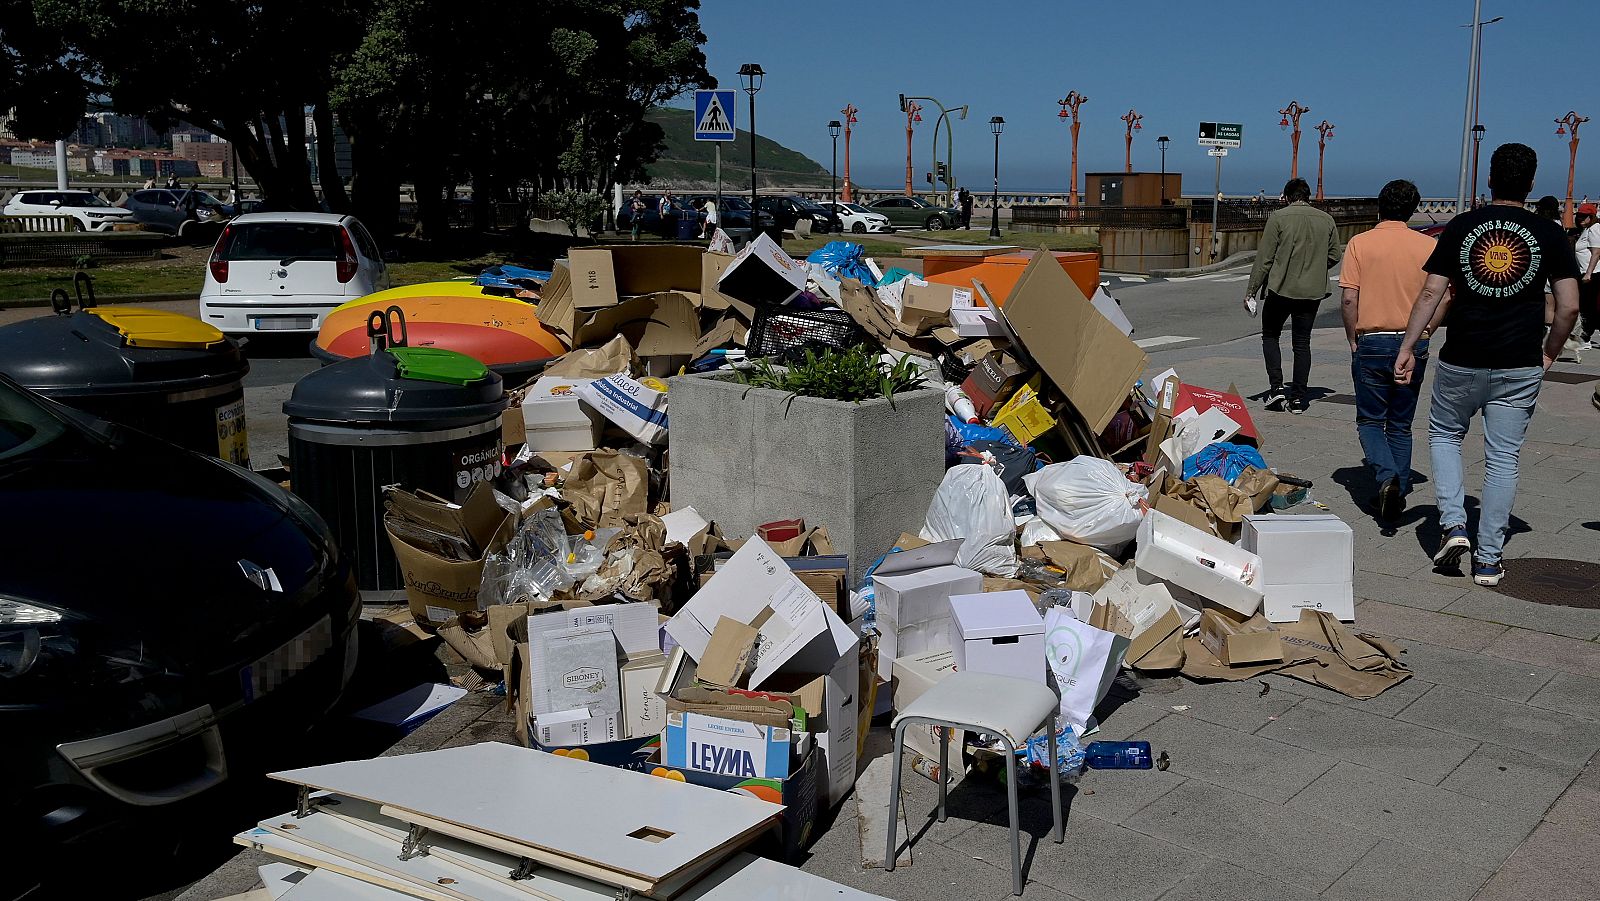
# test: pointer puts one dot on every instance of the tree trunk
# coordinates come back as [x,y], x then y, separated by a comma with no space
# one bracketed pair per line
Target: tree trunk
[432,221]
[328,160]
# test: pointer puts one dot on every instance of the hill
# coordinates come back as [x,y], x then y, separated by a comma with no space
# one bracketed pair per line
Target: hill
[687,163]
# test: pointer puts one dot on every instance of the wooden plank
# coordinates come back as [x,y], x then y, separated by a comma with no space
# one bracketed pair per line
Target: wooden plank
[326,885]
[960,250]
[304,855]
[631,823]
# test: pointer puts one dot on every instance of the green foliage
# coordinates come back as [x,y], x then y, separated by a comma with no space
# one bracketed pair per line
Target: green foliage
[855,374]
[577,208]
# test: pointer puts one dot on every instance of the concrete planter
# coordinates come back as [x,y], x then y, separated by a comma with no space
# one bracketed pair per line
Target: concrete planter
[745,456]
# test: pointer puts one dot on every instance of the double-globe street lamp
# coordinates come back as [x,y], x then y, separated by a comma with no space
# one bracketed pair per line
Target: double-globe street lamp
[997,124]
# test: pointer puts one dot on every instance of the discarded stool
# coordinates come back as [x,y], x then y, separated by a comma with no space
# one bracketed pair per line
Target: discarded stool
[1009,708]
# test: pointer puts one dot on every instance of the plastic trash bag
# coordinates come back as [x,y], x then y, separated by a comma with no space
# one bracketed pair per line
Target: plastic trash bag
[1090,501]
[896,274]
[842,259]
[1036,530]
[971,503]
[1223,459]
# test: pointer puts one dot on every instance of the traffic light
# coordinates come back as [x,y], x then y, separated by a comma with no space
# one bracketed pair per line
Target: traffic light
[943,173]
[928,176]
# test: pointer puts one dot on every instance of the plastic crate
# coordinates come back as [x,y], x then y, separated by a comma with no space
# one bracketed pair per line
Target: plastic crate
[779,330]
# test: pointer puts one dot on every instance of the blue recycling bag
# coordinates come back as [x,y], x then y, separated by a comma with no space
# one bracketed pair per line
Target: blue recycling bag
[1223,459]
[842,259]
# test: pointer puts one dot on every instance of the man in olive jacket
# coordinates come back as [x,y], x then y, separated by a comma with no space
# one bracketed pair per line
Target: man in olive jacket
[1298,247]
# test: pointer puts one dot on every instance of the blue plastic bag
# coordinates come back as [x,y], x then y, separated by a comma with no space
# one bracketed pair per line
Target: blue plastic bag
[1223,459]
[843,259]
[894,275]
[506,275]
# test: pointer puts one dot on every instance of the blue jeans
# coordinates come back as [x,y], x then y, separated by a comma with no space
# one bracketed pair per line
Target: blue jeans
[1384,410]
[1506,398]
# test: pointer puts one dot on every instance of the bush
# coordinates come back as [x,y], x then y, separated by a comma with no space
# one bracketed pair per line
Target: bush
[855,374]
[576,208]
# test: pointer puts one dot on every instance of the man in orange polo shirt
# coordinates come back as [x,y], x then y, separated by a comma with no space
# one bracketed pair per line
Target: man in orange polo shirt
[1381,279]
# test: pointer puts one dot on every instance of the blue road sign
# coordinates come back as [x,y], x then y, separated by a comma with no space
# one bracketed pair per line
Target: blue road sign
[713,115]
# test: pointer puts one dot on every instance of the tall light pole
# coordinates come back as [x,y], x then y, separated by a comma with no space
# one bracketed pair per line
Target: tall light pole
[1069,110]
[1474,78]
[833,132]
[849,113]
[1162,143]
[1477,141]
[750,75]
[913,111]
[949,140]
[1291,117]
[1570,121]
[997,124]
[1132,119]
[1324,132]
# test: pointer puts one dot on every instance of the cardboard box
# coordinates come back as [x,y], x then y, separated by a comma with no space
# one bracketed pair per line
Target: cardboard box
[513,430]
[643,711]
[712,265]
[832,702]
[714,744]
[1194,397]
[976,323]
[1307,563]
[913,608]
[1198,561]
[1236,644]
[926,306]
[575,727]
[661,325]
[1024,416]
[729,654]
[998,375]
[798,793]
[636,407]
[913,675]
[555,419]
[438,589]
[825,575]
[602,276]
[998,632]
[578,667]
[762,273]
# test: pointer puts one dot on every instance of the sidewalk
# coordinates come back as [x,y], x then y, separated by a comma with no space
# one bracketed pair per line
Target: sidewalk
[1477,778]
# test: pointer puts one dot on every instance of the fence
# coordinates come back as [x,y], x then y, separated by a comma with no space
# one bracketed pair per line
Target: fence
[67,248]
[1056,216]
[38,223]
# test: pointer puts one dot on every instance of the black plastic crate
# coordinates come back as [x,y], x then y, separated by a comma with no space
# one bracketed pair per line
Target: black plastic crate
[779,330]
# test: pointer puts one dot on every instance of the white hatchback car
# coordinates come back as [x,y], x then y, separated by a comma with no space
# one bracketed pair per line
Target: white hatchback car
[283,272]
[853,217]
[92,213]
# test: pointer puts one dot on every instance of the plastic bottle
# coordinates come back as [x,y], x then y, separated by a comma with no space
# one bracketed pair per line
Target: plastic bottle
[1119,755]
[960,405]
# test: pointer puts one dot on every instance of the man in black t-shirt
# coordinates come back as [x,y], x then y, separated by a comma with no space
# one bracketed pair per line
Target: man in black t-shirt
[1496,261]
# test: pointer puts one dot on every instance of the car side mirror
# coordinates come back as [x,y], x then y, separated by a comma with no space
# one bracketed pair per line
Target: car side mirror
[55,203]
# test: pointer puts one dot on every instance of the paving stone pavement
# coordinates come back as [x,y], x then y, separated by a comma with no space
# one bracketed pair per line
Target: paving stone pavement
[1478,778]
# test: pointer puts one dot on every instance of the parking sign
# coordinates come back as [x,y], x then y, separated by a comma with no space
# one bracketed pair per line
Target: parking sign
[713,115]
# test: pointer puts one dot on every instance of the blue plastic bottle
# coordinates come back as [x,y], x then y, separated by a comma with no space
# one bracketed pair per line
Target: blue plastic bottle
[1119,755]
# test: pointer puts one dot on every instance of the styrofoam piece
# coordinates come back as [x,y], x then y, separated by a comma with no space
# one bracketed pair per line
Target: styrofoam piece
[1176,552]
[611,819]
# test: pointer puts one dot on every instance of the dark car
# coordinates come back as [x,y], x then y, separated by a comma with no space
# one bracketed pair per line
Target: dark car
[914,212]
[734,213]
[163,616]
[180,212]
[793,208]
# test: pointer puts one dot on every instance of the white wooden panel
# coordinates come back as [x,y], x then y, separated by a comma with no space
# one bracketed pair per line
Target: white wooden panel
[603,815]
[304,855]
[326,885]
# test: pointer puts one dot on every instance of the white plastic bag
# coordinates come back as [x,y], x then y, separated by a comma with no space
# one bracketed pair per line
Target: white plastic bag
[971,503]
[1037,531]
[1089,500]
[1083,663]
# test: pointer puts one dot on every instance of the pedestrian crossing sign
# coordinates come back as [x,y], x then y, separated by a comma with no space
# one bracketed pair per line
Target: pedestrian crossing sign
[713,115]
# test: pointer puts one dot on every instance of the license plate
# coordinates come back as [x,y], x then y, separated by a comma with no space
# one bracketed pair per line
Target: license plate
[279,666]
[283,323]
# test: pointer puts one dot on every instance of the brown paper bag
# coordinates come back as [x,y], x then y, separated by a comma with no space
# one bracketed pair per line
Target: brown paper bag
[1086,568]
[605,487]
[610,358]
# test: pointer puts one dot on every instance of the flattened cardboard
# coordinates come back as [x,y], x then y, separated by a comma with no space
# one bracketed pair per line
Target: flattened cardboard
[657,325]
[1093,363]
[602,276]
[728,655]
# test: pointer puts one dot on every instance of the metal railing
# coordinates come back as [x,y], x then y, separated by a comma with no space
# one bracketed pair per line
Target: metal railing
[38,223]
[1057,216]
[1245,215]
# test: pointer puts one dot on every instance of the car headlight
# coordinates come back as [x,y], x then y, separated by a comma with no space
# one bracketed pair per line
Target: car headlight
[47,653]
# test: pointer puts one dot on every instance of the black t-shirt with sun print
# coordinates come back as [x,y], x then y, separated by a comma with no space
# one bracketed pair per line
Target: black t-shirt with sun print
[1499,260]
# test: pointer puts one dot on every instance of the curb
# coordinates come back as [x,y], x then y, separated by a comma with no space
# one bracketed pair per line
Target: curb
[116,299]
[1246,256]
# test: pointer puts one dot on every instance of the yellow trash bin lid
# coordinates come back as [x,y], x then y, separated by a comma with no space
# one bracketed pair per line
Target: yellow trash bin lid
[144,327]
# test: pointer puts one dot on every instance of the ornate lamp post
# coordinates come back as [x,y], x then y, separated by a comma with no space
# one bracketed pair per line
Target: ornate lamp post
[750,75]
[997,124]
[1162,143]
[833,132]
[913,111]
[849,113]
[1291,117]
[1132,118]
[1324,132]
[1570,121]
[1069,111]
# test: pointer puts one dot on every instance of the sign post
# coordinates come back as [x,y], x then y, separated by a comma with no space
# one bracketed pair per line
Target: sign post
[713,121]
[1219,136]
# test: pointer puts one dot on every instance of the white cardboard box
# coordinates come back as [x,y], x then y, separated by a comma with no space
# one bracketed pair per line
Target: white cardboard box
[914,675]
[635,407]
[571,728]
[998,632]
[1177,552]
[913,609]
[557,420]
[644,712]
[1307,563]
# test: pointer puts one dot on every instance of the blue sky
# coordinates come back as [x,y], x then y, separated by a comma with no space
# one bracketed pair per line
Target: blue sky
[1391,76]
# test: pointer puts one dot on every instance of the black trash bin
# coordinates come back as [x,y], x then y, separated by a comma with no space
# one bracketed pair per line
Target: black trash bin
[688,225]
[164,373]
[422,418]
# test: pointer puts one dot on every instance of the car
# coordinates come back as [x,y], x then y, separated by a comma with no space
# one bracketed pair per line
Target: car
[181,212]
[652,222]
[282,272]
[914,212]
[92,213]
[734,213]
[1431,229]
[857,219]
[793,208]
[144,671]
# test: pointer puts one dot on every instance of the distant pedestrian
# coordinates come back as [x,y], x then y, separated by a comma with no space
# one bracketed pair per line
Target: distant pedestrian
[1381,279]
[1298,246]
[636,210]
[1587,251]
[1495,263]
[1261,195]
[709,226]
[149,183]
[172,182]
[966,208]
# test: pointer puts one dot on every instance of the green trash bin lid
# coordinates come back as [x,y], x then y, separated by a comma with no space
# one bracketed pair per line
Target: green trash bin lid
[435,364]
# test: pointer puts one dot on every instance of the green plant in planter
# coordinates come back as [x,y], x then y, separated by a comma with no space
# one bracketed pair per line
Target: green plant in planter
[855,374]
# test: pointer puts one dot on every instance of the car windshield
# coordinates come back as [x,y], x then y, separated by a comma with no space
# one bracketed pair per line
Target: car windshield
[26,429]
[734,203]
[81,200]
[282,241]
[855,207]
[805,203]
[204,197]
[918,201]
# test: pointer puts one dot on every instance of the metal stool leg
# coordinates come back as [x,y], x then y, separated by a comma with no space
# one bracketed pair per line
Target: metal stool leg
[894,794]
[1011,798]
[1055,779]
[944,764]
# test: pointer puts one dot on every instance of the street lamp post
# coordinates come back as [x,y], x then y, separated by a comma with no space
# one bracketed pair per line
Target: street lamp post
[1570,121]
[949,139]
[1291,117]
[997,124]
[833,132]
[1132,118]
[750,75]
[913,111]
[1474,79]
[849,113]
[1162,143]
[1477,139]
[1324,132]
[1069,110]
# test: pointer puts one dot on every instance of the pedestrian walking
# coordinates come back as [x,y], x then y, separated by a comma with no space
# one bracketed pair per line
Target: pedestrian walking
[1587,251]
[709,227]
[1298,246]
[1380,281]
[966,208]
[636,208]
[1495,263]
[149,183]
